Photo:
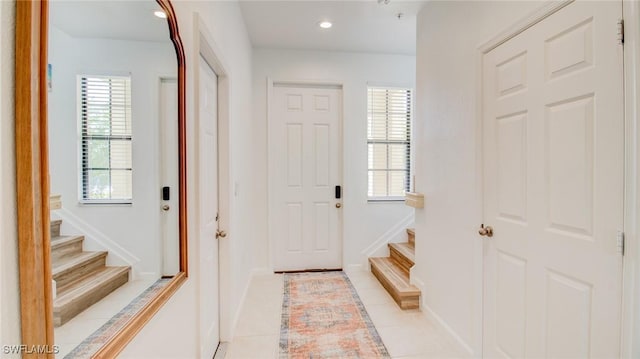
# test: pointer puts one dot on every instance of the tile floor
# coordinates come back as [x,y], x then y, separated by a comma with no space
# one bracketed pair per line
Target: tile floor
[72,333]
[406,334]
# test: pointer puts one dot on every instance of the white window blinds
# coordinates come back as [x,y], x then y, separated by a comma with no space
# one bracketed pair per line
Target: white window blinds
[389,142]
[105,113]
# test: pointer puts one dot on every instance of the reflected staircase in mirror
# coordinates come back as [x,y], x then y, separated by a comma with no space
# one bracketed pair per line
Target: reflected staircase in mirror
[81,278]
[393,272]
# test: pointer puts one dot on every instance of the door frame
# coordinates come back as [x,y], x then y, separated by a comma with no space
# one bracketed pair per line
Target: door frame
[270,201]
[630,307]
[206,47]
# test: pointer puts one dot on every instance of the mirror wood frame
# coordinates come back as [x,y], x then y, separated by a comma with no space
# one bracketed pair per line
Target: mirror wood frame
[32,184]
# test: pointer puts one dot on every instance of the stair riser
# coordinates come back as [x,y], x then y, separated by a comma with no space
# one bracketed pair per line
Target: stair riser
[407,302]
[404,262]
[66,313]
[55,228]
[66,249]
[69,276]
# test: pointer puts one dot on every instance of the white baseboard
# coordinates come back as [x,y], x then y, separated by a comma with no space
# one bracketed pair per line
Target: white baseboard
[118,255]
[397,233]
[439,320]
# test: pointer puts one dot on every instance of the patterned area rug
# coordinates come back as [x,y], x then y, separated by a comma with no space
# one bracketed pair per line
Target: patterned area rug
[323,317]
[99,338]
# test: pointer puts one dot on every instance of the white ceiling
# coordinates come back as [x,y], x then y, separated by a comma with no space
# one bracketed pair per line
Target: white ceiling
[361,26]
[122,20]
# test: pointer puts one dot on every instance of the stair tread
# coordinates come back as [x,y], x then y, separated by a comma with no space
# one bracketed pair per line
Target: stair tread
[67,263]
[395,275]
[87,285]
[60,241]
[411,231]
[406,250]
[55,221]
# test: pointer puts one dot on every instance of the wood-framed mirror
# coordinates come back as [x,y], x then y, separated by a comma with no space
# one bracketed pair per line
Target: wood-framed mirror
[38,81]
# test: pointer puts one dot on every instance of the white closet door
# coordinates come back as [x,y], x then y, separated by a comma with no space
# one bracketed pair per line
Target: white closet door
[553,175]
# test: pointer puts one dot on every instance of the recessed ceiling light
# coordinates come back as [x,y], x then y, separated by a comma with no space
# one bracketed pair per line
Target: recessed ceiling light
[325,24]
[161,14]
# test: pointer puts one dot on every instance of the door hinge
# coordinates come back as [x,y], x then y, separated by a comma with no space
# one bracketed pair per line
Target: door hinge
[621,32]
[620,242]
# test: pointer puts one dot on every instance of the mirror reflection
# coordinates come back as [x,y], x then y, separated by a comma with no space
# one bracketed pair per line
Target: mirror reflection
[113,157]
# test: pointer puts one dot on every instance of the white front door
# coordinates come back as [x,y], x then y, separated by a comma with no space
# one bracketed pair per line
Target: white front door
[169,176]
[208,203]
[553,138]
[304,170]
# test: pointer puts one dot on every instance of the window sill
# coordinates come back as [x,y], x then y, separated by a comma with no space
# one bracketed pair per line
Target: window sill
[386,200]
[106,203]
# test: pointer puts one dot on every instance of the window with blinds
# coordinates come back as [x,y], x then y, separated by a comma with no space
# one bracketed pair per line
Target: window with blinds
[105,115]
[389,142]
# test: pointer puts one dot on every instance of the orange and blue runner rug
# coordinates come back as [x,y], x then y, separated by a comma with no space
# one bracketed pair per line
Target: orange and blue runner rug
[323,317]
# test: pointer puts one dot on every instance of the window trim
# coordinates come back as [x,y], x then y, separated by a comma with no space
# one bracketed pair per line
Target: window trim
[408,141]
[81,139]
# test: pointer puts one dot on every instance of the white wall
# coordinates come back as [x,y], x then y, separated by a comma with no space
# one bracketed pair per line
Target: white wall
[447,245]
[173,332]
[363,223]
[9,286]
[135,227]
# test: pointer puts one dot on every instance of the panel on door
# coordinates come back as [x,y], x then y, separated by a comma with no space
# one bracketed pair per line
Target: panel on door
[553,187]
[304,168]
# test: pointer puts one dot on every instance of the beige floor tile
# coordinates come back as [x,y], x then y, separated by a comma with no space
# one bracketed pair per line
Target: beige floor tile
[364,280]
[406,333]
[375,296]
[258,320]
[75,331]
[385,315]
[254,347]
[403,340]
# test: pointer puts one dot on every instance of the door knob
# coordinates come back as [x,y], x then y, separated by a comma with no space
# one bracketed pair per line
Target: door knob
[165,207]
[338,205]
[485,231]
[221,234]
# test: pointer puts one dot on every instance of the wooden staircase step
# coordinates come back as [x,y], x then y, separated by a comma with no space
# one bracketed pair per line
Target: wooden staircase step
[68,269]
[411,233]
[88,291]
[403,254]
[65,246]
[55,227]
[396,282]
